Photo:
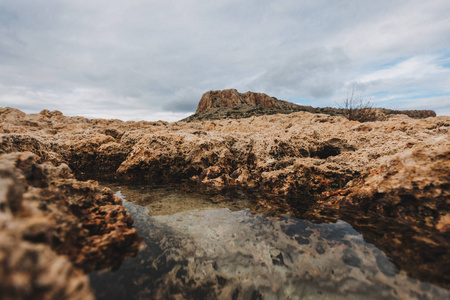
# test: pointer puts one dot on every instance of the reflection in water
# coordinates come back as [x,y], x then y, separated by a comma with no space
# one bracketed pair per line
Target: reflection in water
[224,254]
[168,200]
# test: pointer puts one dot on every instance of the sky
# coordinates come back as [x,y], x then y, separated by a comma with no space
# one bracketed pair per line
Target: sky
[152,60]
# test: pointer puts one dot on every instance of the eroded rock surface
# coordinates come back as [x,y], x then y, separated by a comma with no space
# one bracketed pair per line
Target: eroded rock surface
[53,226]
[324,167]
[409,190]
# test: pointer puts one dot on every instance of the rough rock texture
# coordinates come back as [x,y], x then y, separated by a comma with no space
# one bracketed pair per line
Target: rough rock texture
[232,98]
[408,195]
[300,155]
[230,104]
[44,213]
[388,177]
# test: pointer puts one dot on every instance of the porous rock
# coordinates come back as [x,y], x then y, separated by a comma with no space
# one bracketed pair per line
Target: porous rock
[392,172]
[52,227]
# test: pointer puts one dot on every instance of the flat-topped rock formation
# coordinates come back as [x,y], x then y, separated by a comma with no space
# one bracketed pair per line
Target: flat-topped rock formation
[390,178]
[233,99]
[230,104]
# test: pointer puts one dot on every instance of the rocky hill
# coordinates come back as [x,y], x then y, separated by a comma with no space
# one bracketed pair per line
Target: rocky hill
[230,104]
[215,105]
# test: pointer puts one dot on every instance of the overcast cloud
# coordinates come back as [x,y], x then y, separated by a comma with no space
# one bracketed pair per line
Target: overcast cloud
[150,60]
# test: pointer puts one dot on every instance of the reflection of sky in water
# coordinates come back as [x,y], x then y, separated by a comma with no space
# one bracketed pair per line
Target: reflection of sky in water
[224,254]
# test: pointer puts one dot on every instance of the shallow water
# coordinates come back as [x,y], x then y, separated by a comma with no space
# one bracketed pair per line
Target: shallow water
[203,247]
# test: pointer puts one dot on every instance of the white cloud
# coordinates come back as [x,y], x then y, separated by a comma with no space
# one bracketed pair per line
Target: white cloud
[160,56]
[419,68]
[316,72]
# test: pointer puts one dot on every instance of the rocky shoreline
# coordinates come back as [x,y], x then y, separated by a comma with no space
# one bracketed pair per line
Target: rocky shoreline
[378,176]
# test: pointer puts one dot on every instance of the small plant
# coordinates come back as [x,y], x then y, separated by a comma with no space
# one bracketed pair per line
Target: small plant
[356,108]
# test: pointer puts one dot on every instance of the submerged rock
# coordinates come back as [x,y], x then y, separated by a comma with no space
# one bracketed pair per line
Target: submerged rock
[219,254]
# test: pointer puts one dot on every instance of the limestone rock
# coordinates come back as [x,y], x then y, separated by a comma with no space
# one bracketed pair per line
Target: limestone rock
[390,173]
[46,212]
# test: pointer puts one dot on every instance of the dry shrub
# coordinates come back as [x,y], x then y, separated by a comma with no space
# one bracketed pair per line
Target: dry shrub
[356,108]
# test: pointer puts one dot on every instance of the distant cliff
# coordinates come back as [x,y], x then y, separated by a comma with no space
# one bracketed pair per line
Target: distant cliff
[233,99]
[230,104]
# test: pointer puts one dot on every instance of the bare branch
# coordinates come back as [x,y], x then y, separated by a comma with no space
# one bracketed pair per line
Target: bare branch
[356,108]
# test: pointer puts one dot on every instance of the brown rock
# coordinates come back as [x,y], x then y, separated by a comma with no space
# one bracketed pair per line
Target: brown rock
[34,271]
[392,173]
[45,212]
[230,104]
[232,98]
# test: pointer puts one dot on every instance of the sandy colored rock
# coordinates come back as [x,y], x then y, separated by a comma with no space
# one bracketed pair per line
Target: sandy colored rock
[296,155]
[34,271]
[53,226]
[392,173]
